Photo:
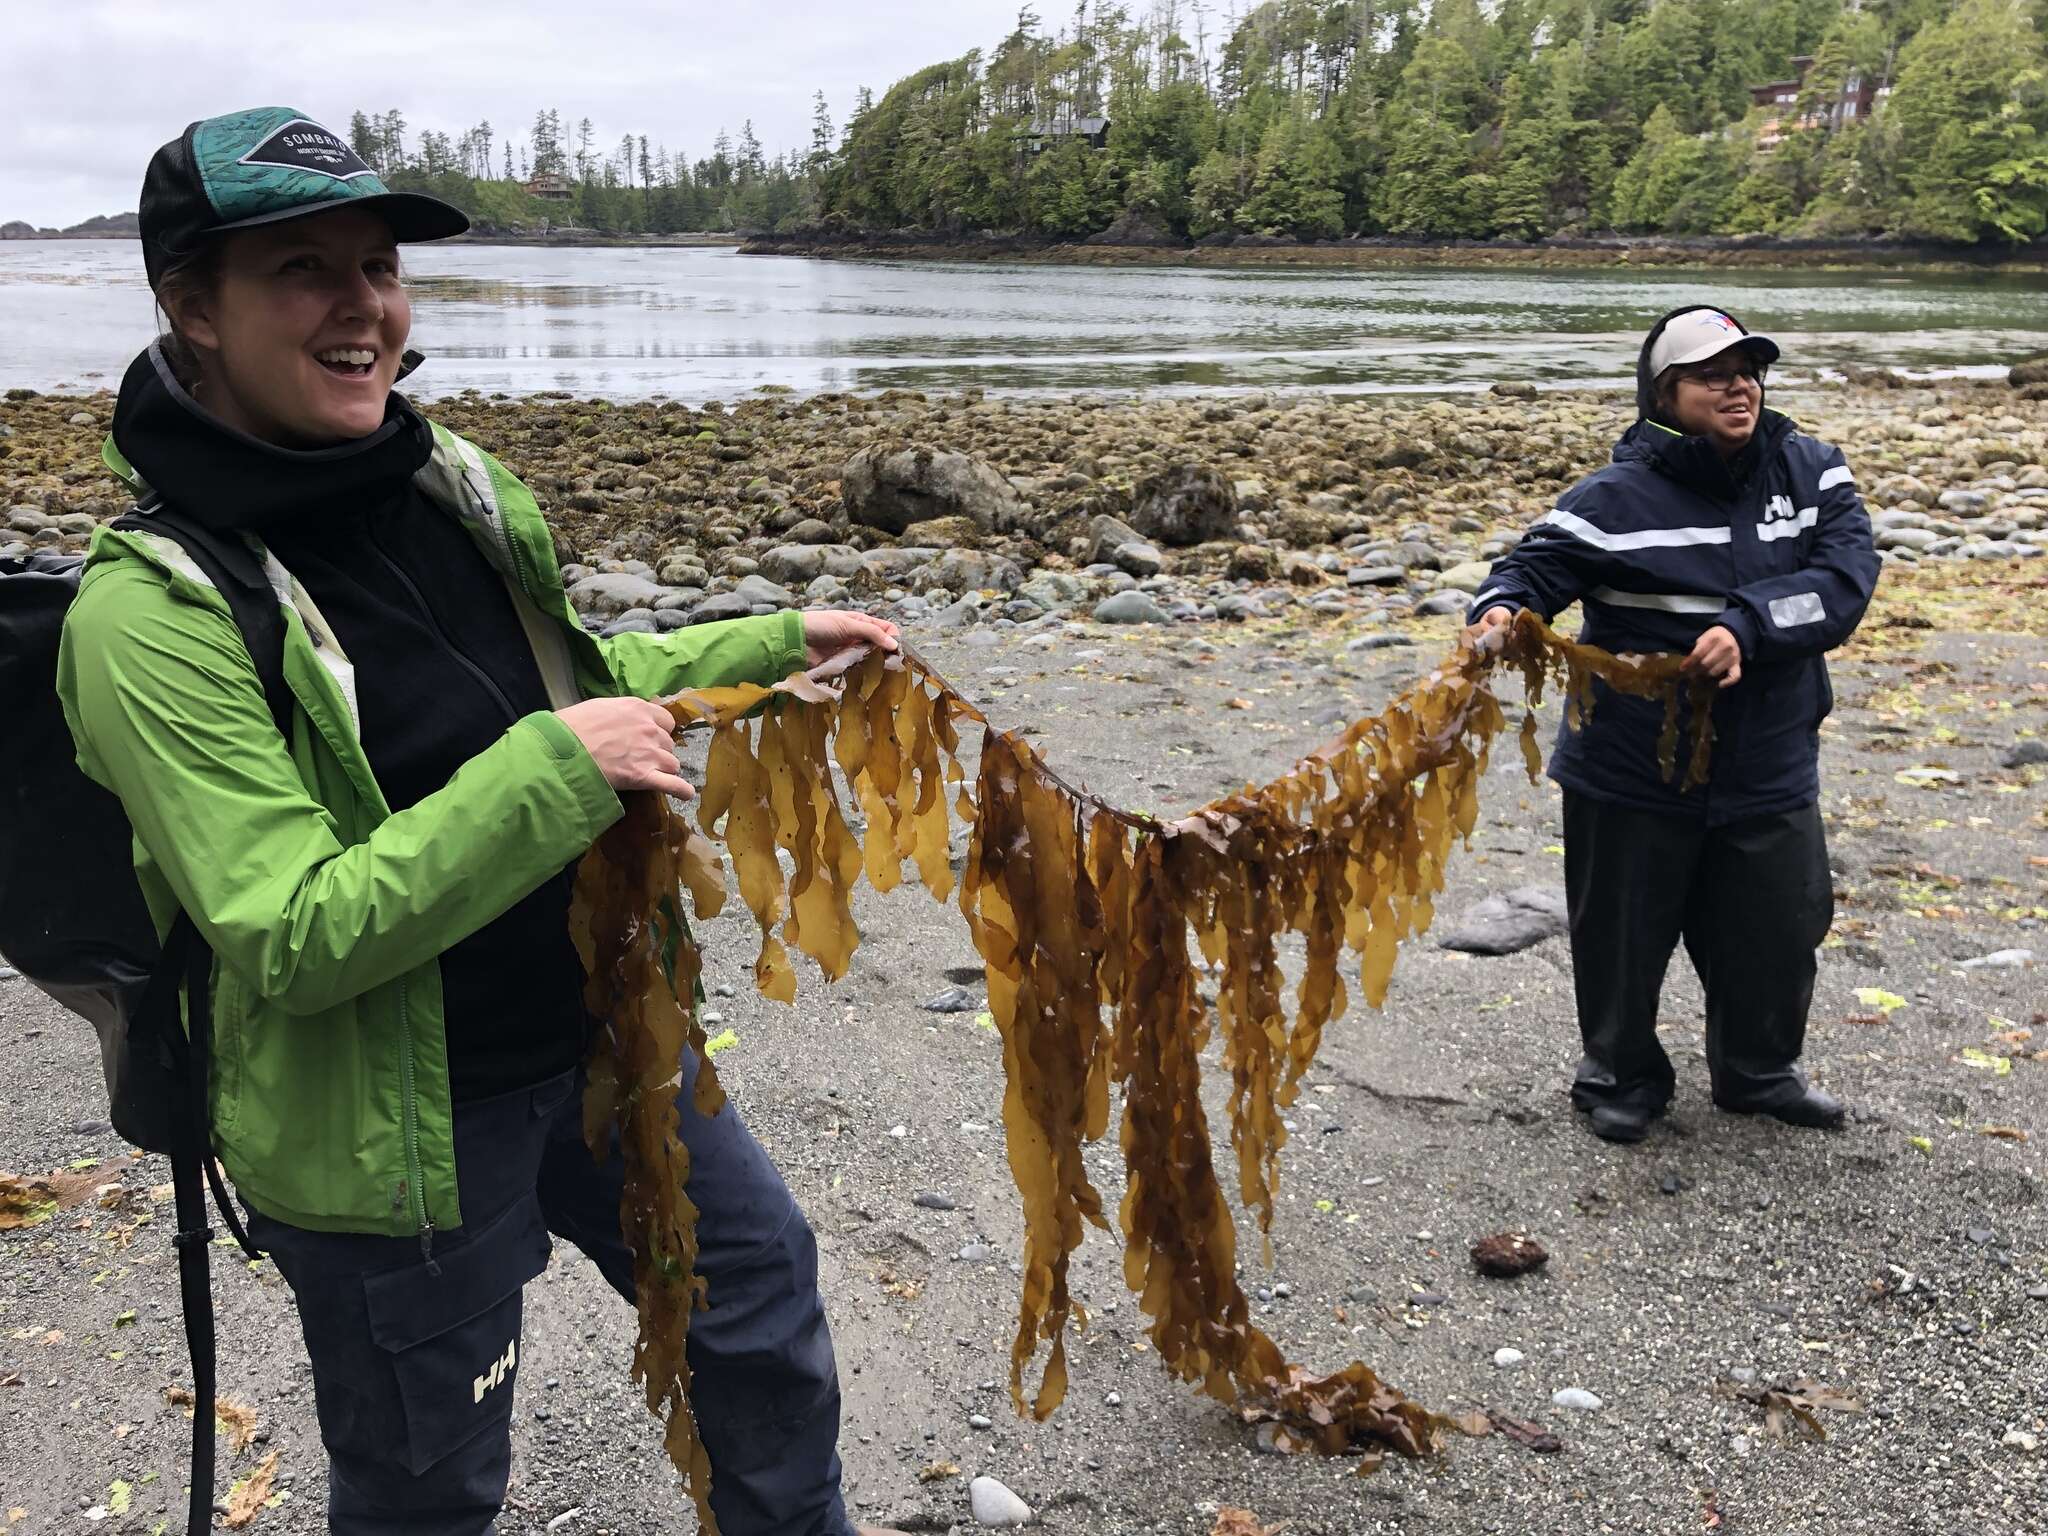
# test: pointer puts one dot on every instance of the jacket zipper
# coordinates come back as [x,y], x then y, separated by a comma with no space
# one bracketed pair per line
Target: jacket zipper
[489,683]
[494,520]
[487,504]
[410,1114]
[408,1070]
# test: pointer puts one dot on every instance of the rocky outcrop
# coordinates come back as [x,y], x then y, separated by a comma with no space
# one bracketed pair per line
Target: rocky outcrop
[894,488]
[1134,229]
[1185,505]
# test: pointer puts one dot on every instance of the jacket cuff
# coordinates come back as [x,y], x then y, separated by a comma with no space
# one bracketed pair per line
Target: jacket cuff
[1738,622]
[594,794]
[1488,600]
[797,655]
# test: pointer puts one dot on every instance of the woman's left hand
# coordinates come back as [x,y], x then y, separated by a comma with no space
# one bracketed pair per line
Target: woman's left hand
[1717,655]
[828,631]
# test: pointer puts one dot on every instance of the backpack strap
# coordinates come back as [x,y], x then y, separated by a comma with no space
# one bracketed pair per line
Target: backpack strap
[231,565]
[184,955]
[186,963]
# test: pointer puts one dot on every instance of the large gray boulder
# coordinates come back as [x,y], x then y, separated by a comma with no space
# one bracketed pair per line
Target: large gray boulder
[1107,535]
[1504,924]
[763,593]
[969,570]
[891,489]
[896,563]
[797,565]
[614,592]
[1131,607]
[1112,542]
[2032,370]
[1185,504]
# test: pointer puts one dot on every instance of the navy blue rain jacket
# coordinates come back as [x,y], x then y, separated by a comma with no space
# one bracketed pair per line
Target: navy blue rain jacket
[1666,542]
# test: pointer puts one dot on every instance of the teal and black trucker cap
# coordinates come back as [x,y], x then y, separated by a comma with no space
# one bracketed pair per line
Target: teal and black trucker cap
[264,166]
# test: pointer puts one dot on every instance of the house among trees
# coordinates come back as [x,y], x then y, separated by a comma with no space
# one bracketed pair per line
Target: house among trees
[1044,133]
[551,187]
[1857,99]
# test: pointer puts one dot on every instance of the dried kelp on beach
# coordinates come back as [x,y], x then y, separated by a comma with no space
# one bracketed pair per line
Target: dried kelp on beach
[1083,915]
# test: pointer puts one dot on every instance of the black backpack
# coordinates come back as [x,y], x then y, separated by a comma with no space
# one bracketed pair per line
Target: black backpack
[85,936]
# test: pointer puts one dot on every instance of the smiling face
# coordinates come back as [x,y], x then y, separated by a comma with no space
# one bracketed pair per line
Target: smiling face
[300,336]
[1718,399]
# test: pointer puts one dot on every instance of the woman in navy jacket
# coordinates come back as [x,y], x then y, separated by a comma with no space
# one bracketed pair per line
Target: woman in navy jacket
[1721,532]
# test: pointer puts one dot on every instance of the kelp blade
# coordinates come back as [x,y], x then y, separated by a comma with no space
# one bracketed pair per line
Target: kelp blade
[1082,913]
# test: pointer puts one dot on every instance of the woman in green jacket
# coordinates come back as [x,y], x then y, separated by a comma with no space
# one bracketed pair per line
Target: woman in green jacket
[399,1028]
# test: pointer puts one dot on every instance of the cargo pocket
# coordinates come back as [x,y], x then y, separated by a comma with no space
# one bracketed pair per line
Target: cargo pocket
[453,1337]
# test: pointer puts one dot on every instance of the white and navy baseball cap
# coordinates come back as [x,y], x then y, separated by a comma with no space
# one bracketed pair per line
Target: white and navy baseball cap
[1698,334]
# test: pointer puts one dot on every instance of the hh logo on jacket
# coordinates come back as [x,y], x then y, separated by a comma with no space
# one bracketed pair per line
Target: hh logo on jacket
[1779,509]
[502,1367]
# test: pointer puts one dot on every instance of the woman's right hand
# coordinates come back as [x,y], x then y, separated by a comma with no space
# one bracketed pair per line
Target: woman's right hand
[632,741]
[1487,622]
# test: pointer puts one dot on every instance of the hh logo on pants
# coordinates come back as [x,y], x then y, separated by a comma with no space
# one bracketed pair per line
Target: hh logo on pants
[502,1367]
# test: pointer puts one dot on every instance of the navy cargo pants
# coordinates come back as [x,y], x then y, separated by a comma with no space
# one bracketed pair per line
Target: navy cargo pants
[414,1365]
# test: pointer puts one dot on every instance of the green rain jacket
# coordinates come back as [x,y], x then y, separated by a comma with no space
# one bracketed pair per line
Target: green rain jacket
[327,913]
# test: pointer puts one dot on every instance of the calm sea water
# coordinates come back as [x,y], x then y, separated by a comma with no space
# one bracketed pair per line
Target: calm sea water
[694,324]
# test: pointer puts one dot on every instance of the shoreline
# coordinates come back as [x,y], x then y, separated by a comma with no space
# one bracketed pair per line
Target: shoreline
[595,238]
[489,237]
[1619,253]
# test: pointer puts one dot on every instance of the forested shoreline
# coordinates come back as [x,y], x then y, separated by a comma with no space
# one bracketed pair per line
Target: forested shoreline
[1306,120]
[1169,124]
[1318,119]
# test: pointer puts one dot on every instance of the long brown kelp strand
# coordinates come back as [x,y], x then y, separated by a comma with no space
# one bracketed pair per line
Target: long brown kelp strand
[1082,914]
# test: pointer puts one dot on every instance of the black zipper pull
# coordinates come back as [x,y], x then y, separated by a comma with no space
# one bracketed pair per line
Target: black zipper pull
[427,1249]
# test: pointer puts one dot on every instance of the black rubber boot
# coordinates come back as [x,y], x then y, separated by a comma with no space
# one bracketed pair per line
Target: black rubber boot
[1808,1107]
[1623,1122]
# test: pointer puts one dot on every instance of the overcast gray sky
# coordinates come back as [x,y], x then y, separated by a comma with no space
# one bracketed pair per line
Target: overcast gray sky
[92,87]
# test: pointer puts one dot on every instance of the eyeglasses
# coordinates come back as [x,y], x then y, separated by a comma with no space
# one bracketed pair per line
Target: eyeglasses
[1725,377]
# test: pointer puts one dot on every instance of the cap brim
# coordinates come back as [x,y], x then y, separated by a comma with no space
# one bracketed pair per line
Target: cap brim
[1765,349]
[413,216]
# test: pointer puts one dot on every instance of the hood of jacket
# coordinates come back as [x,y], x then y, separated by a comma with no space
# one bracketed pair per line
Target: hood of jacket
[1696,463]
[226,479]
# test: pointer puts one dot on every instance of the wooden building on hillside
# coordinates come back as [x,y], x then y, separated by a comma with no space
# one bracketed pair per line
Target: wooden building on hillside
[1859,97]
[551,188]
[1046,132]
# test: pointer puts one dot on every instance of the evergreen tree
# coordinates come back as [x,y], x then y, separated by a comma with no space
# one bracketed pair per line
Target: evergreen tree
[546,147]
[1294,187]
[1967,114]
[1430,186]
[390,142]
[362,138]
[821,134]
[1216,190]
[1678,183]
